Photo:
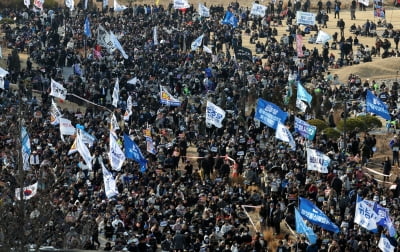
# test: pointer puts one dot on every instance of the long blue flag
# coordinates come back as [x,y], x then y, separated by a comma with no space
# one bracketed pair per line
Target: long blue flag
[313,214]
[302,228]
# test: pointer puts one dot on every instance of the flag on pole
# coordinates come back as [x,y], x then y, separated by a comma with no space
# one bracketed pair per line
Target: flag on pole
[207,49]
[133,152]
[322,37]
[181,4]
[70,4]
[203,10]
[57,90]
[114,126]
[83,150]
[167,99]
[214,114]
[38,4]
[118,45]
[27,3]
[110,186]
[282,133]
[86,28]
[115,95]
[28,192]
[197,42]
[258,10]
[116,155]
[385,245]
[313,214]
[302,228]
[155,35]
[230,19]
[55,114]
[302,94]
[66,128]
[365,215]
[376,106]
[104,39]
[26,148]
[73,149]
[301,105]
[150,145]
[119,7]
[128,111]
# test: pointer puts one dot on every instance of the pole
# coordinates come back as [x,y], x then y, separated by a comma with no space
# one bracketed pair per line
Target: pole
[344,126]
[21,205]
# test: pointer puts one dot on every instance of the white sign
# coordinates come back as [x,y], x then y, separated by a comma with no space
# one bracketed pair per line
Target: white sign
[305,18]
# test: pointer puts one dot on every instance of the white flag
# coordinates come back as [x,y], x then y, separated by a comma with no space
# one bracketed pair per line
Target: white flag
[282,133]
[197,42]
[207,49]
[66,127]
[317,161]
[57,90]
[258,10]
[86,3]
[115,95]
[105,3]
[70,4]
[110,187]
[55,114]
[116,155]
[118,45]
[128,111]
[27,3]
[364,2]
[104,39]
[83,150]
[28,192]
[214,114]
[73,149]
[203,10]
[365,215]
[113,124]
[38,3]
[155,35]
[385,245]
[181,4]
[322,37]
[119,7]
[301,105]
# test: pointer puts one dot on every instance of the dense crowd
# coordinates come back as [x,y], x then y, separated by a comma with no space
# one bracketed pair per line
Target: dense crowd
[187,201]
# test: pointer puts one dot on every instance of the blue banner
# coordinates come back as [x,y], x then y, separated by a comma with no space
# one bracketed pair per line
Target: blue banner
[376,106]
[303,128]
[230,19]
[269,113]
[302,94]
[384,219]
[133,152]
[313,214]
[302,228]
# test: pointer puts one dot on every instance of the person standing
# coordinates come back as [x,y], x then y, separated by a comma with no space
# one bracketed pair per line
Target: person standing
[396,38]
[395,145]
[328,6]
[337,9]
[353,8]
[387,167]
[341,25]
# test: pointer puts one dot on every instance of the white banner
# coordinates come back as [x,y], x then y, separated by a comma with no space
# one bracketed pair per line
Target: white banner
[197,42]
[116,155]
[104,39]
[118,45]
[203,10]
[27,3]
[282,133]
[305,18]
[57,90]
[113,124]
[207,49]
[181,4]
[214,114]
[385,245]
[155,35]
[317,161]
[55,114]
[323,37]
[66,127]
[301,105]
[365,215]
[128,111]
[28,192]
[258,10]
[115,95]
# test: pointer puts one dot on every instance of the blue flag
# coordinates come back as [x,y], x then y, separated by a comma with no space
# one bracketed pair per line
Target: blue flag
[303,128]
[376,106]
[133,152]
[302,228]
[269,113]
[230,19]
[86,28]
[384,219]
[314,215]
[302,94]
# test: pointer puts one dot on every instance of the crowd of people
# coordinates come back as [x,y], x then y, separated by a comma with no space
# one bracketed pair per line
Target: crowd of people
[184,200]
